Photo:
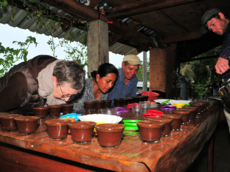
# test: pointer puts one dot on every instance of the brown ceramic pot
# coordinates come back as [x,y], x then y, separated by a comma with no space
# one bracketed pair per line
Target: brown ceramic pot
[40,111]
[2,114]
[150,131]
[109,135]
[89,105]
[107,103]
[177,119]
[193,113]
[81,131]
[167,126]
[118,102]
[67,108]
[27,124]
[130,100]
[57,128]
[185,113]
[125,101]
[200,106]
[99,104]
[136,99]
[8,122]
[55,109]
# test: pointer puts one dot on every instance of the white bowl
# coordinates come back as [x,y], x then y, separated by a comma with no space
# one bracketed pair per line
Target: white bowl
[101,118]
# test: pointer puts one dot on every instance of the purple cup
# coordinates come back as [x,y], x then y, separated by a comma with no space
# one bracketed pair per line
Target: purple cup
[167,108]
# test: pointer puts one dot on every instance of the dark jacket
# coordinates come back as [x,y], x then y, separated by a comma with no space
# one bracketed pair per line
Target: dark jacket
[19,87]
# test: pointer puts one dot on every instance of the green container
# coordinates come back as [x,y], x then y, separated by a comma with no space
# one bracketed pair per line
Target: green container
[131,124]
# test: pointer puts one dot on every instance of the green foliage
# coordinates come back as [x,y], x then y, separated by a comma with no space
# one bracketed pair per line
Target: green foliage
[9,56]
[201,73]
[3,3]
[140,71]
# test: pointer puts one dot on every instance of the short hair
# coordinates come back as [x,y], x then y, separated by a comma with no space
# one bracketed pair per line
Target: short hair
[104,69]
[126,63]
[70,73]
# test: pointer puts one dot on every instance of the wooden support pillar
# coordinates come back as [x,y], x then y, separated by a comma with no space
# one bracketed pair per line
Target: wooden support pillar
[98,44]
[162,64]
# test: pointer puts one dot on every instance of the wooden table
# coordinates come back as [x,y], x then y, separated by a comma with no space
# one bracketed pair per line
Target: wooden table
[36,152]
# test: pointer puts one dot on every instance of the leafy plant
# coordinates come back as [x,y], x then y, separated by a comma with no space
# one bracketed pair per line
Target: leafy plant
[9,56]
[140,71]
[201,73]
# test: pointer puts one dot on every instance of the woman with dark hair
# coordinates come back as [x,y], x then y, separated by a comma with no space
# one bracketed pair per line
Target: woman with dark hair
[97,87]
[41,81]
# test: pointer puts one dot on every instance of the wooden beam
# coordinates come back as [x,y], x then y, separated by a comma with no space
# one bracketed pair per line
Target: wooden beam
[201,58]
[181,37]
[94,3]
[139,7]
[77,9]
[113,39]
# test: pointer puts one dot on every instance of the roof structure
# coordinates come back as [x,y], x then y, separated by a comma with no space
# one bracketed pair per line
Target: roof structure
[134,25]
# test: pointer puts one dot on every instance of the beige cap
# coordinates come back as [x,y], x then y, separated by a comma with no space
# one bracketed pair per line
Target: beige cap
[132,59]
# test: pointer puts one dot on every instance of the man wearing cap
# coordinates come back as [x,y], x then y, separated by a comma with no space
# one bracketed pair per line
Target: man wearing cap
[126,85]
[215,21]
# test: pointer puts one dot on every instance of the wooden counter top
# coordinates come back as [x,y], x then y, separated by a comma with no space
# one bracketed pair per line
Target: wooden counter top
[173,153]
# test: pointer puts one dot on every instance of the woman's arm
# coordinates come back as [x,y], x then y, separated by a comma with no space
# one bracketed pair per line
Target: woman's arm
[14,94]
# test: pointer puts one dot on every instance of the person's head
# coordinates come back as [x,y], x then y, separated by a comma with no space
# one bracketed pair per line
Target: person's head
[130,66]
[68,79]
[105,77]
[214,20]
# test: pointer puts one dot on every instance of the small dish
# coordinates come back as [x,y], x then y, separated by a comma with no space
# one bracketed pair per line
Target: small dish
[40,111]
[8,122]
[57,128]
[150,131]
[55,109]
[109,135]
[82,131]
[27,124]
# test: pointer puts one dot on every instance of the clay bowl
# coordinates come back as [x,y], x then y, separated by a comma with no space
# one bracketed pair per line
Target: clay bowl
[145,98]
[125,101]
[167,126]
[130,100]
[82,131]
[2,114]
[27,124]
[107,103]
[136,99]
[55,109]
[89,105]
[118,102]
[150,131]
[40,111]
[193,111]
[99,104]
[57,128]
[185,113]
[200,106]
[67,108]
[109,135]
[177,119]
[8,122]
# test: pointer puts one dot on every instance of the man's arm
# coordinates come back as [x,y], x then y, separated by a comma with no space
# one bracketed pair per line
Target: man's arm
[221,65]
[222,62]
[14,94]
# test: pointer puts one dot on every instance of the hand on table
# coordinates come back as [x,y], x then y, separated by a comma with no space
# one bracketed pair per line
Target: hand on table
[221,65]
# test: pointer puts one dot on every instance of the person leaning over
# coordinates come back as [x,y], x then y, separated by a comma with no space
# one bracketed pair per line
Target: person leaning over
[215,21]
[41,81]
[126,85]
[96,88]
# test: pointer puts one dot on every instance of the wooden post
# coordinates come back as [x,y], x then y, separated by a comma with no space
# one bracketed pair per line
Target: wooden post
[162,64]
[98,44]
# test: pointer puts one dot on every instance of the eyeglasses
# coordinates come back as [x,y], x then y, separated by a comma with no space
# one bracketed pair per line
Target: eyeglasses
[64,96]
